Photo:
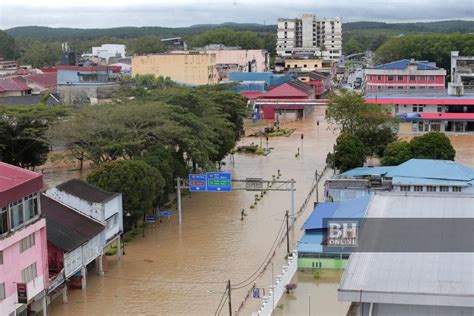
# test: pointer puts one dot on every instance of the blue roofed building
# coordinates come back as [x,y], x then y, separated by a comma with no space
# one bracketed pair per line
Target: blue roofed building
[311,254]
[405,74]
[258,81]
[414,175]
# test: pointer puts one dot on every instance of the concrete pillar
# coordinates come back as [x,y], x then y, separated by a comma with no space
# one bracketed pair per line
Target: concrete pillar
[45,305]
[101,264]
[119,248]
[65,300]
[84,277]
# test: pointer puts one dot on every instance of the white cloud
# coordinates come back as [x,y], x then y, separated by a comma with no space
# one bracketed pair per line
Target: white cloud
[113,13]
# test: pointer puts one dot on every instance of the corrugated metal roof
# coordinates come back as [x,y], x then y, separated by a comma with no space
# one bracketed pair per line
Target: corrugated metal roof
[67,228]
[13,84]
[367,171]
[352,208]
[441,100]
[85,191]
[310,243]
[413,278]
[426,181]
[322,210]
[404,63]
[432,169]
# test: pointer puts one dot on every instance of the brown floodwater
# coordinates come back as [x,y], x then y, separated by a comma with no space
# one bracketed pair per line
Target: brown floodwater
[183,270]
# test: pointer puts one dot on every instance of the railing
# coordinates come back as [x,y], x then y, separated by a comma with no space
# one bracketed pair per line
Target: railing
[276,290]
[56,281]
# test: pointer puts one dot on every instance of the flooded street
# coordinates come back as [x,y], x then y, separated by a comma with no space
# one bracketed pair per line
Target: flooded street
[183,270]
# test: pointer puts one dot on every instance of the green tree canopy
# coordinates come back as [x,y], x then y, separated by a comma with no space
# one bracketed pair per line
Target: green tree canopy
[135,179]
[7,46]
[148,44]
[432,47]
[39,54]
[432,145]
[397,153]
[23,139]
[246,39]
[370,123]
[349,152]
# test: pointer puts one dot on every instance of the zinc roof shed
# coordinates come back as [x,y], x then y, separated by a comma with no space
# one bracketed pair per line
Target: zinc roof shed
[413,282]
[432,169]
[404,63]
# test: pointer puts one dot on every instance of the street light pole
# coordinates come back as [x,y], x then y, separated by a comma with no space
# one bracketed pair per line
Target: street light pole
[287,215]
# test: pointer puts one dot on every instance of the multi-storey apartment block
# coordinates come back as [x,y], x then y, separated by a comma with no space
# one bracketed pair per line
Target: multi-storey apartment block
[310,36]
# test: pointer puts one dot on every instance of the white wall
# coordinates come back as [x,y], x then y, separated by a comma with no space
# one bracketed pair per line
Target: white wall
[94,210]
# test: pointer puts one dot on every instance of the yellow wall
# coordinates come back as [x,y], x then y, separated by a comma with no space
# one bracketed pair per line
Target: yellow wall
[195,69]
[313,64]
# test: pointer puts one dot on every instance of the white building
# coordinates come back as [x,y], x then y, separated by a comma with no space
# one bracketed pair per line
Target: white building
[310,36]
[413,283]
[105,207]
[414,175]
[109,50]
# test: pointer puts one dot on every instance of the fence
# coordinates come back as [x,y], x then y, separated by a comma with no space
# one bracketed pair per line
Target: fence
[276,290]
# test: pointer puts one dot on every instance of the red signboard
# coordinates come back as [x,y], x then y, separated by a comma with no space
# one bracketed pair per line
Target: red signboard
[22,293]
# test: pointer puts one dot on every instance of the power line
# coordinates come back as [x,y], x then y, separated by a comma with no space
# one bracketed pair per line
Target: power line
[256,274]
[221,302]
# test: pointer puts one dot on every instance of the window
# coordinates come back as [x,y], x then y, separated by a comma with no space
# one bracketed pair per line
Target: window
[2,291]
[415,108]
[412,78]
[17,214]
[400,88]
[27,242]
[418,188]
[440,109]
[431,87]
[456,189]
[315,66]
[431,78]
[31,206]
[431,188]
[443,188]
[3,220]
[420,108]
[412,88]
[29,273]
[400,77]
[390,88]
[405,188]
[390,78]
[379,77]
[304,66]
[421,77]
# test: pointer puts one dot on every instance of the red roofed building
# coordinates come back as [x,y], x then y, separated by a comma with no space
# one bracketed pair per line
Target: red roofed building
[23,247]
[430,112]
[42,82]
[15,86]
[292,90]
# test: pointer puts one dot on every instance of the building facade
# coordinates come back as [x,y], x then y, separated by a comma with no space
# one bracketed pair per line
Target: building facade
[103,206]
[93,85]
[310,35]
[405,75]
[23,249]
[184,67]
[107,51]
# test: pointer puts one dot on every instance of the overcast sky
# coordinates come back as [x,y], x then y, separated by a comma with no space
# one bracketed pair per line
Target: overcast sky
[176,13]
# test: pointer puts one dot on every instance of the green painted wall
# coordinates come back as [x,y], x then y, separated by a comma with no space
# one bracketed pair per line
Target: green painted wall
[326,263]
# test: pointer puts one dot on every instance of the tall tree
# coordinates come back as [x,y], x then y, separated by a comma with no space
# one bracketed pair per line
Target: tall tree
[135,179]
[397,153]
[7,46]
[432,145]
[349,152]
[23,139]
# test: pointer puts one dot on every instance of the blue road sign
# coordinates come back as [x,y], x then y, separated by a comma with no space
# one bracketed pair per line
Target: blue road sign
[219,181]
[256,292]
[197,182]
[164,213]
[150,218]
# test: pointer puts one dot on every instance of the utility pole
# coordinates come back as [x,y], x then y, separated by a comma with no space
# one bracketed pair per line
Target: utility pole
[292,182]
[316,184]
[287,215]
[178,197]
[230,298]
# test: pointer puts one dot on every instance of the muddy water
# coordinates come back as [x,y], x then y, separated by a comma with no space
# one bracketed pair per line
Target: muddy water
[183,270]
